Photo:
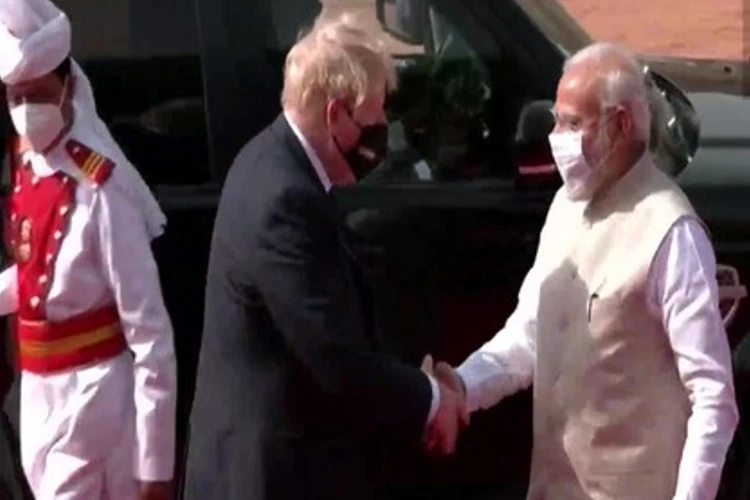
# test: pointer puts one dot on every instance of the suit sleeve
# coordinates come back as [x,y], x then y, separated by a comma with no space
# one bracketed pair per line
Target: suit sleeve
[130,268]
[300,273]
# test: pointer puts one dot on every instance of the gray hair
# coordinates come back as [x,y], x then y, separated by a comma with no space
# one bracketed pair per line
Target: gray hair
[620,79]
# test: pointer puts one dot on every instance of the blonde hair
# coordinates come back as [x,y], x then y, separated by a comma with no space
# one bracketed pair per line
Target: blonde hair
[337,59]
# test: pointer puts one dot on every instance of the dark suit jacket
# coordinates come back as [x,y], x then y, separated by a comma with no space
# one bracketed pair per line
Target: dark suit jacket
[293,399]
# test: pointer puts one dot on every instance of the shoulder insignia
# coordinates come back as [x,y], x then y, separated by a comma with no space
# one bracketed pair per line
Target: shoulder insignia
[94,166]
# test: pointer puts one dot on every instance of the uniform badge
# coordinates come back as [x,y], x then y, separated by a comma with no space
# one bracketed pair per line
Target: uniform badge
[93,165]
[23,249]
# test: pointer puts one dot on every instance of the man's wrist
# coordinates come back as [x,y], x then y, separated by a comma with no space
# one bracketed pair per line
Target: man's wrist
[469,389]
[462,383]
[154,471]
[435,401]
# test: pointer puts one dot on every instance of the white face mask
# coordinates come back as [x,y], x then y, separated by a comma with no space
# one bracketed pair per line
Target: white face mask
[577,174]
[567,149]
[40,124]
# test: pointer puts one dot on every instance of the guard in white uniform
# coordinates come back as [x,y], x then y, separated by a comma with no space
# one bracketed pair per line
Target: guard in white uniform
[98,382]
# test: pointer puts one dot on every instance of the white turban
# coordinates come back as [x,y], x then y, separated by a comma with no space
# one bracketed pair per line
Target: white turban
[34,39]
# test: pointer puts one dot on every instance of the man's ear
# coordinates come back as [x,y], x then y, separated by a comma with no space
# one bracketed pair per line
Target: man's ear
[334,109]
[625,122]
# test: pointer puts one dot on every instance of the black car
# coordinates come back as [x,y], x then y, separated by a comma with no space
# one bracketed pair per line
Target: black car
[448,226]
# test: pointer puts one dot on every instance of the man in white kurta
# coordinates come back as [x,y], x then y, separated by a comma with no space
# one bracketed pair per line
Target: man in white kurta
[618,324]
[98,381]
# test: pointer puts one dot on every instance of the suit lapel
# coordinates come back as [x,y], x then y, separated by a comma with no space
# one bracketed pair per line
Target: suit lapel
[366,303]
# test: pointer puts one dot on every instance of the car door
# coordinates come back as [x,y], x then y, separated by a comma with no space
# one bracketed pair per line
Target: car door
[446,232]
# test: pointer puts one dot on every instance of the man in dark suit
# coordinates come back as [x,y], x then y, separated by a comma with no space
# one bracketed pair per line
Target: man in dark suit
[293,398]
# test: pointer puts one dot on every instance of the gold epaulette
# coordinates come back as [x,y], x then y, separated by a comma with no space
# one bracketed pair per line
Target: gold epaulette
[94,166]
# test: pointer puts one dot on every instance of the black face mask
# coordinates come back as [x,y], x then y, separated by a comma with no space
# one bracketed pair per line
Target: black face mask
[369,150]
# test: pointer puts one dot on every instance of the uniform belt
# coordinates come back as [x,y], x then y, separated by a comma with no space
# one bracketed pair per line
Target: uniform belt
[47,346]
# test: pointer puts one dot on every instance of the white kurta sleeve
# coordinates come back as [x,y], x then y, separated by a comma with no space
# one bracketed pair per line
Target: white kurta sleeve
[8,291]
[684,291]
[505,364]
[130,268]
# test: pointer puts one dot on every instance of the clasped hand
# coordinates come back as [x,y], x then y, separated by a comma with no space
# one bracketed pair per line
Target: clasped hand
[452,415]
[155,490]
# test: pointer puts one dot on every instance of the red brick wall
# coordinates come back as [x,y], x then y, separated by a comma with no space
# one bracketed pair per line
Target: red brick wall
[690,28]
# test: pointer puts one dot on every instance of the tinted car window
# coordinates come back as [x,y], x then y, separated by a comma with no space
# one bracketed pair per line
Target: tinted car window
[439,129]
[143,61]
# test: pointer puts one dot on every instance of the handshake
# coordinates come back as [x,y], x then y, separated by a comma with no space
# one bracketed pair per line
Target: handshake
[452,415]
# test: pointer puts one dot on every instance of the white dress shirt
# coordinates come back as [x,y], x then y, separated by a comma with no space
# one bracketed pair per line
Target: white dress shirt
[325,180]
[683,291]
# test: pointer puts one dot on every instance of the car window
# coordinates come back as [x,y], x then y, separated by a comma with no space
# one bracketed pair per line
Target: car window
[441,117]
[143,61]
